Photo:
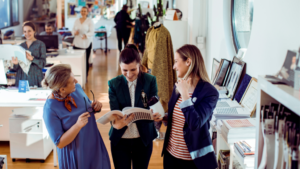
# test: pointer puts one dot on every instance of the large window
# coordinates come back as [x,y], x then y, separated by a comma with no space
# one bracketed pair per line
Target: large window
[9,13]
[242,18]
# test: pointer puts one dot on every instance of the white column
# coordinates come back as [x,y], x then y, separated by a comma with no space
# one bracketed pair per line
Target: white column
[58,14]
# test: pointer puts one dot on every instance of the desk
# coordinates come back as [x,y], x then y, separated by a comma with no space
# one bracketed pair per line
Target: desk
[14,41]
[76,58]
[11,99]
[105,37]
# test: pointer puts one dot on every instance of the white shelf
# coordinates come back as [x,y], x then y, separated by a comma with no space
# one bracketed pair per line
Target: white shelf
[222,144]
[284,94]
[272,93]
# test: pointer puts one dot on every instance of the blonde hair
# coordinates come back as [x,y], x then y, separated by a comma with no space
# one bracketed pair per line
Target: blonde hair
[197,67]
[57,77]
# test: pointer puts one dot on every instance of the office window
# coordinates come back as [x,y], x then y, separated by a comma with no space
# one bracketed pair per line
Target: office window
[242,18]
[9,13]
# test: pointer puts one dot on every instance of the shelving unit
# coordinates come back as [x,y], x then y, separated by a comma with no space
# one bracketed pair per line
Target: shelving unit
[269,92]
[222,144]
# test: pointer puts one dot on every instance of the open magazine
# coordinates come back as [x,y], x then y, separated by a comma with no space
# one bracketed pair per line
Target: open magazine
[139,114]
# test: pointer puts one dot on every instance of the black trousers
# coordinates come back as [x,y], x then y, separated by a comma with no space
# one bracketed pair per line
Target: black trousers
[88,53]
[133,151]
[122,34]
[171,162]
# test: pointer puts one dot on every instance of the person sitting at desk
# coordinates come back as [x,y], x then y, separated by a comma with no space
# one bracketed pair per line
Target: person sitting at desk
[69,117]
[37,59]
[49,30]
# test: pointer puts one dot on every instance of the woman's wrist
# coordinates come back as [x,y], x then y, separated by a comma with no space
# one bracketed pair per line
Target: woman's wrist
[185,96]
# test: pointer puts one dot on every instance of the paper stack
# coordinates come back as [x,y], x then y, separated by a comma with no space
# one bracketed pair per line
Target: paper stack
[238,129]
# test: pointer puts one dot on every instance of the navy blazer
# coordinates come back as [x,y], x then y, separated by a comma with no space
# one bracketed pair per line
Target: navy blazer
[119,98]
[197,111]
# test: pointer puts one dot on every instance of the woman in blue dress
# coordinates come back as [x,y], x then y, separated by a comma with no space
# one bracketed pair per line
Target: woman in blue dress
[70,121]
[34,73]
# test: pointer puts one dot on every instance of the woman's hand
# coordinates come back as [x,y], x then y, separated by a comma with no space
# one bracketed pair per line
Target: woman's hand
[76,32]
[183,88]
[156,116]
[15,60]
[96,105]
[84,36]
[83,119]
[29,57]
[121,122]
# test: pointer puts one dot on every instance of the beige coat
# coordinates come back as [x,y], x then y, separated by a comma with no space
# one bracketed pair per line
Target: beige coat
[162,64]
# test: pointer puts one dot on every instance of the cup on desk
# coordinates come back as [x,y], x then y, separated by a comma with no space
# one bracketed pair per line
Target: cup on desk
[60,46]
[70,49]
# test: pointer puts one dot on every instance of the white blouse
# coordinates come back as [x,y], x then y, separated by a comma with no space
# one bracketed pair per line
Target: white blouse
[86,28]
[132,131]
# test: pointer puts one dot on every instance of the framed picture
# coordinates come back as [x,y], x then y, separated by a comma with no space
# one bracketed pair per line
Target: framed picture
[221,73]
[215,66]
[236,72]
[286,73]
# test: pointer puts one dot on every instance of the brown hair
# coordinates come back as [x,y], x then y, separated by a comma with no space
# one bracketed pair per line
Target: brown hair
[30,24]
[125,7]
[197,65]
[57,77]
[49,25]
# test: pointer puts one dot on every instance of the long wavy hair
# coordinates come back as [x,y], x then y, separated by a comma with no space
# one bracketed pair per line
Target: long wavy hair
[197,66]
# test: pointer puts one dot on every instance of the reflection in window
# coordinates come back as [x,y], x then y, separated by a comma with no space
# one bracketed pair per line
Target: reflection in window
[242,18]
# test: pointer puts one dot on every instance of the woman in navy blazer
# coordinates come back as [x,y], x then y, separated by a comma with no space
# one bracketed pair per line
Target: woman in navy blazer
[187,142]
[131,144]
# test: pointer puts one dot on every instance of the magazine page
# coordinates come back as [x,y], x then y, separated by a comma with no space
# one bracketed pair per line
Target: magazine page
[139,114]
[109,116]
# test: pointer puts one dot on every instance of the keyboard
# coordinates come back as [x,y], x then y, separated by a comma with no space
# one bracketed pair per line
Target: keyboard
[222,104]
[226,111]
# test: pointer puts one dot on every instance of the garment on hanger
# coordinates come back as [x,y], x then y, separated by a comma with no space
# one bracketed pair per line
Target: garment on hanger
[159,57]
[72,8]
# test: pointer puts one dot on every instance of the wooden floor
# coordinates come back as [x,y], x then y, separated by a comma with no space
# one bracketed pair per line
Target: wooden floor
[105,67]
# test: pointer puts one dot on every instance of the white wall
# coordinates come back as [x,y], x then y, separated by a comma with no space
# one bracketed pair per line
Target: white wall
[275,30]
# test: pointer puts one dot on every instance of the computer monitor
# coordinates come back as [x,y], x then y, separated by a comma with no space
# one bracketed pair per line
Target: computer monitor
[3,79]
[51,41]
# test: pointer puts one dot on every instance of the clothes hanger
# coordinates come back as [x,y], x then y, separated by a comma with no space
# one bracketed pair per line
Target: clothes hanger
[156,25]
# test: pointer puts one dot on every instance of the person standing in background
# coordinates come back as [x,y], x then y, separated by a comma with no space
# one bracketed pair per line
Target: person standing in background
[83,31]
[123,23]
[36,61]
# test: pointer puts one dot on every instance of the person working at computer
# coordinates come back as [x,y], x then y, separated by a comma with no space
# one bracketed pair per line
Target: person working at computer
[49,30]
[83,31]
[32,71]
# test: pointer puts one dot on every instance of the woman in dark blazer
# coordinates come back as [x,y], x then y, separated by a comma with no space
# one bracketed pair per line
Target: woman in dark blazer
[131,144]
[187,142]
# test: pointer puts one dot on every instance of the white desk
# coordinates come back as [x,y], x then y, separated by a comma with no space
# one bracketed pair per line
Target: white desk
[14,42]
[77,61]
[11,99]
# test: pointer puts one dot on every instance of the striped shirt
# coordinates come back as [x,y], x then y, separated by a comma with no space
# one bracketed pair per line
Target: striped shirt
[177,146]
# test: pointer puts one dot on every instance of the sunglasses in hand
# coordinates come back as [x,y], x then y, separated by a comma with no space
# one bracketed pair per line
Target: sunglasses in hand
[90,109]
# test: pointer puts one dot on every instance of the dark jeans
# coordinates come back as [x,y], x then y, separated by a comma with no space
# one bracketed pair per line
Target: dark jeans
[124,34]
[171,162]
[88,53]
[133,151]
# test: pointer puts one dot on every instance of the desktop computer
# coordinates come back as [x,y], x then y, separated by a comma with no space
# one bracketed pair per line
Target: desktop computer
[51,41]
[3,79]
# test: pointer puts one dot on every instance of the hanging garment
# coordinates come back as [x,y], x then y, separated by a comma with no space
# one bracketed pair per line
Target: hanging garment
[72,8]
[160,56]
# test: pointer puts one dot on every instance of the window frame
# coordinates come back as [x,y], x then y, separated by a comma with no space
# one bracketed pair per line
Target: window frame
[11,15]
[233,32]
